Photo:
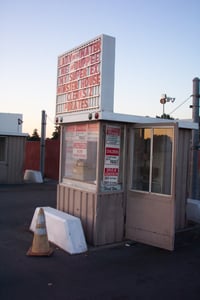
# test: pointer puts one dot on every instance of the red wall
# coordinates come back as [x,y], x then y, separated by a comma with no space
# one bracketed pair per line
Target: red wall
[52,151]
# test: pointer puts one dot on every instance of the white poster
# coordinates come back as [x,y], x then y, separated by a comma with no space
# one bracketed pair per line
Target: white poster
[112,158]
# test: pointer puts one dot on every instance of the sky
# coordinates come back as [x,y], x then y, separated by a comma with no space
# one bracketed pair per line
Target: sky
[157,52]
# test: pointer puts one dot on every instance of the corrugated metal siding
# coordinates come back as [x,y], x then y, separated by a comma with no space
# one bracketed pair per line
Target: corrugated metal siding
[109,226]
[102,215]
[182,176]
[81,204]
[15,159]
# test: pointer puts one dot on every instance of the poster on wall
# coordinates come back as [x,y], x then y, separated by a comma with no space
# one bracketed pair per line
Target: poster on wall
[80,142]
[112,159]
[85,77]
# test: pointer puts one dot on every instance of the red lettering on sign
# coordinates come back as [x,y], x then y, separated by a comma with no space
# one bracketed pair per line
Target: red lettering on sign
[79,145]
[90,48]
[113,131]
[91,80]
[111,171]
[79,77]
[112,151]
[94,69]
[76,105]
[95,58]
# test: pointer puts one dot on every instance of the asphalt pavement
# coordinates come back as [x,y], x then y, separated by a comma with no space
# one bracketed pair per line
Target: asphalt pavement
[117,272]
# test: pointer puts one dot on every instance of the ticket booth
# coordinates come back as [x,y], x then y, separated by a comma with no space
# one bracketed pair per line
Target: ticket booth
[122,175]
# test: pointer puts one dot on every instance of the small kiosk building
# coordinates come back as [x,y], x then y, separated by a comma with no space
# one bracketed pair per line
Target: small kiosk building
[122,175]
[12,148]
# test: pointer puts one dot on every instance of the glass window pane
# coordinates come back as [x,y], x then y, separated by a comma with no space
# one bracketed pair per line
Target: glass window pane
[141,159]
[162,160]
[80,151]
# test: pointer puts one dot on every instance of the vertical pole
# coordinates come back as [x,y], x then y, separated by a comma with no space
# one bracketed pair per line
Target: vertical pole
[42,143]
[195,139]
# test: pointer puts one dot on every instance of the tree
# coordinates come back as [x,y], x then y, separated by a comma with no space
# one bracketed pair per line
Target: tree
[35,136]
[56,133]
[165,116]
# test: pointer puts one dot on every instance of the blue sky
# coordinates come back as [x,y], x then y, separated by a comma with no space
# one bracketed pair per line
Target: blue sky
[157,51]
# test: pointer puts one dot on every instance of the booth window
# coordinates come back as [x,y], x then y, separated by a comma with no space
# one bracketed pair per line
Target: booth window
[152,160]
[80,151]
[2,149]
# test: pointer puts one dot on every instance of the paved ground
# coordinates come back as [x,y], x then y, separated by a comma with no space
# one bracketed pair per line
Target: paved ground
[119,273]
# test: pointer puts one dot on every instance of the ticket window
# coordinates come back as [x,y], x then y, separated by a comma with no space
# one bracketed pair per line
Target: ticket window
[79,154]
[152,160]
[92,156]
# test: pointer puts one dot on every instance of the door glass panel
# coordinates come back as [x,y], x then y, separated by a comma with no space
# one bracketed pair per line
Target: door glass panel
[152,160]
[141,159]
[162,160]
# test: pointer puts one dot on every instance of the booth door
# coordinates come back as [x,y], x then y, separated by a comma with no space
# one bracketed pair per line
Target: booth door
[150,211]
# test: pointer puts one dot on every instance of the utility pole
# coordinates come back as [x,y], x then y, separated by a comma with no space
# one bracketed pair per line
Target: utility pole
[42,143]
[195,139]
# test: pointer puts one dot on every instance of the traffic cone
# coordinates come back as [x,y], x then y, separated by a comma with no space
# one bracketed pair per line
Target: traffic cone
[40,245]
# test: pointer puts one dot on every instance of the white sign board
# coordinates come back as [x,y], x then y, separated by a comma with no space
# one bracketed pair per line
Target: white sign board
[85,79]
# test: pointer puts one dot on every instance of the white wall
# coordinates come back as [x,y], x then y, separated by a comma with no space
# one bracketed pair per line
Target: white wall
[9,123]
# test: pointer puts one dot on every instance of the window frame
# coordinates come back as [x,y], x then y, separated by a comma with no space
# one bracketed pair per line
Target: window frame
[131,149]
[74,182]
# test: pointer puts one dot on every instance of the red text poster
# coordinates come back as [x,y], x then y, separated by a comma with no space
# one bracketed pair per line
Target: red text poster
[112,157]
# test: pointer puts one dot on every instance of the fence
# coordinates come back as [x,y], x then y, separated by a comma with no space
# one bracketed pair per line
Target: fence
[32,157]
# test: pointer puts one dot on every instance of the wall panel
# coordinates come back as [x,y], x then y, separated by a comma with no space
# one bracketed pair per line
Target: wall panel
[102,215]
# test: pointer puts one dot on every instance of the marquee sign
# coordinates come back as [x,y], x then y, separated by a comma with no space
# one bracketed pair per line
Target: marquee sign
[85,79]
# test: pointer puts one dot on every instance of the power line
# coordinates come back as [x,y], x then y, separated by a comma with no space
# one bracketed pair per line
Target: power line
[180,104]
[50,119]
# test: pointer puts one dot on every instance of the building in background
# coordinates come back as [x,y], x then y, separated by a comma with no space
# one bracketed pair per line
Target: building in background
[12,147]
